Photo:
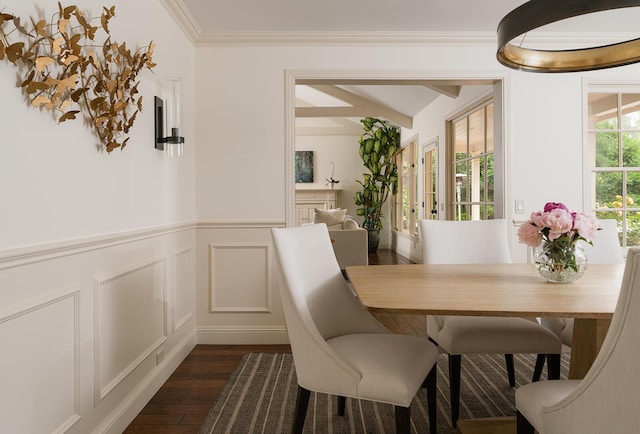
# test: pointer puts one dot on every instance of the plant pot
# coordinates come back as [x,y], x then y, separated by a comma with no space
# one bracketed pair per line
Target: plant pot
[373,239]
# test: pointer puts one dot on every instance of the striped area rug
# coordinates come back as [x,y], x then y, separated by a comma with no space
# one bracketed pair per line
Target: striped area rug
[260,398]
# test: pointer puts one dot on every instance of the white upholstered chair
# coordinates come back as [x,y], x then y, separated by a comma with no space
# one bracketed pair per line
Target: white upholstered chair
[349,240]
[607,399]
[338,347]
[477,242]
[605,250]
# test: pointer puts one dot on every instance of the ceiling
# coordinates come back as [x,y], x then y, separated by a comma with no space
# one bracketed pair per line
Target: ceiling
[214,16]
[339,105]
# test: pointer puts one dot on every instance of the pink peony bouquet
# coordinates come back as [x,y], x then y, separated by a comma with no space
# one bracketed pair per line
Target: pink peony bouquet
[557,230]
[557,224]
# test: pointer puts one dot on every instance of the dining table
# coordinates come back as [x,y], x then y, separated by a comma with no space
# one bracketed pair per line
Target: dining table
[508,290]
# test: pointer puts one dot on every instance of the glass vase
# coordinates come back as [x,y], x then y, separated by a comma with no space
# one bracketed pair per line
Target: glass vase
[559,264]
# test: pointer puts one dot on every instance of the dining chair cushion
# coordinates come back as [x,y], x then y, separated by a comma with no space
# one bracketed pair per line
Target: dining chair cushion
[391,366]
[533,396]
[468,334]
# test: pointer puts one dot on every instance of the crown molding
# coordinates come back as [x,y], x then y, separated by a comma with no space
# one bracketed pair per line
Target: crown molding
[345,38]
[182,16]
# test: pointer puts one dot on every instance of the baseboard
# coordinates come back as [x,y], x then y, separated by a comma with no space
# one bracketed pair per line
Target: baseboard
[228,335]
[121,416]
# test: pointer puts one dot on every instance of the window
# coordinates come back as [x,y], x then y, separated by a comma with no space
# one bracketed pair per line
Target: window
[613,159]
[471,164]
[405,218]
[430,178]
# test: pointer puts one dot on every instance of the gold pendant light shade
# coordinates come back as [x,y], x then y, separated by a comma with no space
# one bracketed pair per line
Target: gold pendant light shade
[537,13]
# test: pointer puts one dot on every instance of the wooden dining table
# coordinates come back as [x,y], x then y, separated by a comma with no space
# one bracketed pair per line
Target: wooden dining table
[511,290]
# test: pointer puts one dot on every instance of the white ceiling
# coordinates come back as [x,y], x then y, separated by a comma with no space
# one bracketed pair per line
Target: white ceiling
[257,18]
[213,16]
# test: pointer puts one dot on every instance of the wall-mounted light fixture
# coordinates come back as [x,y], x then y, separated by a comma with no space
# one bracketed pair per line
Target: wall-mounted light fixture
[171,117]
[537,13]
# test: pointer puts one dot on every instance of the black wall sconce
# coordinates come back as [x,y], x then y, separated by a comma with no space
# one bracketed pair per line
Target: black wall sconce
[173,143]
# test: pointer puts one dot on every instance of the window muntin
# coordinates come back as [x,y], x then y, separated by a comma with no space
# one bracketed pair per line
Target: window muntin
[614,160]
[405,217]
[473,165]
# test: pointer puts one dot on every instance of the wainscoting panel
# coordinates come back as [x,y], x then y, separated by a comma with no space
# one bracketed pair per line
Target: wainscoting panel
[237,288]
[240,278]
[182,290]
[137,297]
[87,329]
[40,365]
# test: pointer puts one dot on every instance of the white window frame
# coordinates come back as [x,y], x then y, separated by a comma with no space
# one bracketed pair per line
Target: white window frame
[588,170]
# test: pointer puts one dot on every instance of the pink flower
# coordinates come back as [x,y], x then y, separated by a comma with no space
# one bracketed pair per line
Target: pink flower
[550,206]
[558,220]
[529,234]
[536,219]
[586,225]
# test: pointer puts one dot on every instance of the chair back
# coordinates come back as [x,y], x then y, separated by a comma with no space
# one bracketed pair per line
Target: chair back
[465,242]
[318,305]
[607,399]
[606,245]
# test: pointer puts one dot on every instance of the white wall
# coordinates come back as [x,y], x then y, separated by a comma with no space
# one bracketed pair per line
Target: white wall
[245,133]
[97,250]
[343,151]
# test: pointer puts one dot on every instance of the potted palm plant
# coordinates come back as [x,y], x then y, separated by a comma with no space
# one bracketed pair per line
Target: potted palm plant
[379,146]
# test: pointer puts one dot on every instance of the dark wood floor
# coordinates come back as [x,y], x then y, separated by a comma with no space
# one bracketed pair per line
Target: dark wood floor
[182,403]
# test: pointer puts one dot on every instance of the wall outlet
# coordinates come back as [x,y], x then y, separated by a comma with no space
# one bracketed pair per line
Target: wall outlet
[159,356]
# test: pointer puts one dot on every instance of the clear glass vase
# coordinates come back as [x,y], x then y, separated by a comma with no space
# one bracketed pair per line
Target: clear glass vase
[560,265]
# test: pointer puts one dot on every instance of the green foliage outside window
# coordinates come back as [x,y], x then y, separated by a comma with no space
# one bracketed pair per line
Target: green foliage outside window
[609,201]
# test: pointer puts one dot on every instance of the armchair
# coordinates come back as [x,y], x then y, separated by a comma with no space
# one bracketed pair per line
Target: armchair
[606,400]
[338,347]
[480,242]
[348,239]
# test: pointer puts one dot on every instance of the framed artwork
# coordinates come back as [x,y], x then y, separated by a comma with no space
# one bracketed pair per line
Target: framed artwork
[304,166]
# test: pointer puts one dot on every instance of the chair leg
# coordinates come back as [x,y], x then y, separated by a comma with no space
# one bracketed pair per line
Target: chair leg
[430,384]
[342,402]
[302,401]
[454,386]
[403,420]
[523,425]
[553,365]
[511,372]
[537,371]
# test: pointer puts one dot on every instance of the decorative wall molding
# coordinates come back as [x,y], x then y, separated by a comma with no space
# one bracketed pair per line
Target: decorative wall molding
[26,308]
[20,256]
[43,252]
[234,272]
[307,38]
[240,335]
[135,401]
[177,323]
[240,224]
[181,15]
[103,388]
